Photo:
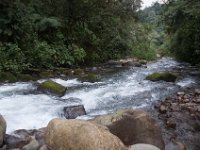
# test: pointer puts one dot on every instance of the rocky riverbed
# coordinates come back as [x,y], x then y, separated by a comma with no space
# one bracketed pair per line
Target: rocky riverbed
[179,117]
[122,85]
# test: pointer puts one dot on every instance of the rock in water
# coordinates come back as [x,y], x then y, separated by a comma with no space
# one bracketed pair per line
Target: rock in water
[132,127]
[80,135]
[2,129]
[144,147]
[162,76]
[52,87]
[72,112]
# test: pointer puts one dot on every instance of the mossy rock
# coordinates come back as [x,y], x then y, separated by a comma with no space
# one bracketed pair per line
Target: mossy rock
[51,87]
[7,77]
[162,76]
[26,77]
[90,77]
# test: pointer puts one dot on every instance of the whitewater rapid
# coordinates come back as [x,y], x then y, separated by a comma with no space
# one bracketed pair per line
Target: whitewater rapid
[25,108]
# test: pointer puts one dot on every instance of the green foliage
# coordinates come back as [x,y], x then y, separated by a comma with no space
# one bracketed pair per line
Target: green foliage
[143,47]
[12,58]
[46,34]
[182,19]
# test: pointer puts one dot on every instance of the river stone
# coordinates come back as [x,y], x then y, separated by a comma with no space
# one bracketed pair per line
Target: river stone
[17,141]
[175,146]
[144,147]
[79,135]
[33,145]
[72,112]
[162,76]
[52,87]
[2,129]
[132,126]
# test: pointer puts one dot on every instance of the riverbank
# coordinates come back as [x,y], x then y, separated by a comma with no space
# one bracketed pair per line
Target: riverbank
[75,72]
[179,117]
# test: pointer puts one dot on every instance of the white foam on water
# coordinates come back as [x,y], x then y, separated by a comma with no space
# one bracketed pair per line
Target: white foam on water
[185,82]
[29,111]
[13,88]
[35,111]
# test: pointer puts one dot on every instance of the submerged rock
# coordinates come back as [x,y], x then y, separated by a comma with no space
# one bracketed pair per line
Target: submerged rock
[132,127]
[2,129]
[79,135]
[72,112]
[162,76]
[52,87]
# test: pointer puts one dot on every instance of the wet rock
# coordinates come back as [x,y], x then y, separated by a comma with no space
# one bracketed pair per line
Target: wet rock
[132,126]
[144,147]
[162,109]
[128,63]
[175,146]
[33,145]
[163,76]
[72,112]
[52,87]
[171,123]
[2,129]
[114,63]
[39,136]
[137,64]
[78,134]
[197,91]
[17,141]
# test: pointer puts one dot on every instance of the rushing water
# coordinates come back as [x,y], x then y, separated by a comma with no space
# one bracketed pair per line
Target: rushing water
[24,108]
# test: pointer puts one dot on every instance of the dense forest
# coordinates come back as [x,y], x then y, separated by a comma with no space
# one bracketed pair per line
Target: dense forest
[64,33]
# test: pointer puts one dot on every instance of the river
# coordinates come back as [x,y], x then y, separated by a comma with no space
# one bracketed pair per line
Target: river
[24,107]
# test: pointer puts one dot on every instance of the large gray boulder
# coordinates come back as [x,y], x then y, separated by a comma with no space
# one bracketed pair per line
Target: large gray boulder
[132,127]
[80,135]
[2,129]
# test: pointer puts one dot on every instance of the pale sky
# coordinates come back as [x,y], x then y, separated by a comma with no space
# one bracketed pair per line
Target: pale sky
[147,3]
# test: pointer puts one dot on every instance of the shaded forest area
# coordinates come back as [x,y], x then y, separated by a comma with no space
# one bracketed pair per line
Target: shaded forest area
[45,34]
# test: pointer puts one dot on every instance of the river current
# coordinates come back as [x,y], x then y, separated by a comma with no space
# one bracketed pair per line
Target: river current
[25,108]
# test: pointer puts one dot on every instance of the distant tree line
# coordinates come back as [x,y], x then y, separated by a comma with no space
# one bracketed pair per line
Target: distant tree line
[63,33]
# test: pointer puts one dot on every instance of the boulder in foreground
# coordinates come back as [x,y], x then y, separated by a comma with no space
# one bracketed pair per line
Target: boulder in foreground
[80,135]
[2,129]
[52,87]
[162,76]
[132,126]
